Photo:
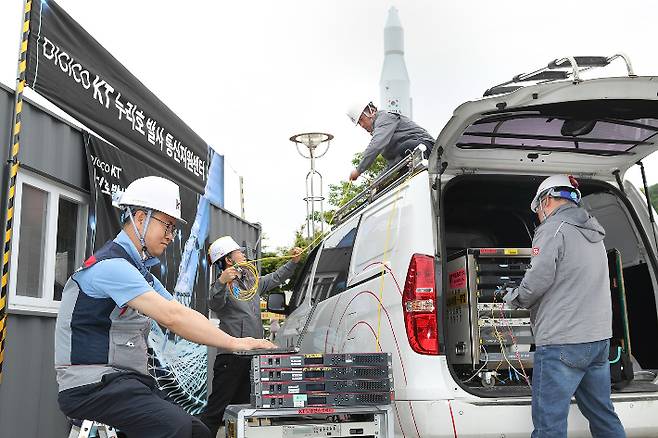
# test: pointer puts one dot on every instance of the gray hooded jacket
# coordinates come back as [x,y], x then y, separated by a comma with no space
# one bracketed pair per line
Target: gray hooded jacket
[242,318]
[567,288]
[392,135]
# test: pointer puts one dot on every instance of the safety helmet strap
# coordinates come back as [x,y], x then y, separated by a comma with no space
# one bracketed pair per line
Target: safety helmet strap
[141,236]
[369,111]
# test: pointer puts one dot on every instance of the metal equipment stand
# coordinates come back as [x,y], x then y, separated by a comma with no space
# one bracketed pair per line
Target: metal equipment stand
[92,429]
[243,421]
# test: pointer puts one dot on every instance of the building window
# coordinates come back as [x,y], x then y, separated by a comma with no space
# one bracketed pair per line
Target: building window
[48,242]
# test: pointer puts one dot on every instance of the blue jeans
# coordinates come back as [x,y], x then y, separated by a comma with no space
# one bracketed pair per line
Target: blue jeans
[566,370]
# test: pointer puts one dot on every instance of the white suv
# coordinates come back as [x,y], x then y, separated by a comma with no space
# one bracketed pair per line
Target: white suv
[380,280]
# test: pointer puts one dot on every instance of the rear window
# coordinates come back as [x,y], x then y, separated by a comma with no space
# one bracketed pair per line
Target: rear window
[598,136]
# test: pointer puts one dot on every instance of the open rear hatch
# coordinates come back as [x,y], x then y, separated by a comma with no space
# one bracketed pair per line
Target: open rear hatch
[592,128]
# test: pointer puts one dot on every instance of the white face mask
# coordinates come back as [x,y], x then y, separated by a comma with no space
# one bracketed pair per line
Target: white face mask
[542,212]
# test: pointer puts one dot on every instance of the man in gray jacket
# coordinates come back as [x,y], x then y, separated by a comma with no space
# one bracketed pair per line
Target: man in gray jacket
[567,290]
[393,135]
[231,379]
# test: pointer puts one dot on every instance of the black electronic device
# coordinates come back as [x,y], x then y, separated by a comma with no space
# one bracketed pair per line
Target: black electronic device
[320,359]
[326,386]
[319,373]
[321,400]
[267,351]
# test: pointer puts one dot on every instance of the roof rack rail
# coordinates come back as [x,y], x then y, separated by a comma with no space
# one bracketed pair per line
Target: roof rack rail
[388,180]
[559,69]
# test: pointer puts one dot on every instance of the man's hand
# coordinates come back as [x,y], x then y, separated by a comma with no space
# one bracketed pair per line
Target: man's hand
[354,175]
[500,293]
[228,275]
[251,343]
[296,254]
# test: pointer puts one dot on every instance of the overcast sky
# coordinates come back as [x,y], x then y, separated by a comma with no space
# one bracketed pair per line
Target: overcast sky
[246,75]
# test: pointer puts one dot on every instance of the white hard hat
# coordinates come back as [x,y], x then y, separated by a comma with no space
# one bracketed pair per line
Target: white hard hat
[355,110]
[221,247]
[551,186]
[152,192]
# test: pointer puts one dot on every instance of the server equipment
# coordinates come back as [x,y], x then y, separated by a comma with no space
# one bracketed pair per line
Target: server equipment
[321,400]
[346,379]
[242,421]
[482,332]
[328,386]
[318,373]
[319,359]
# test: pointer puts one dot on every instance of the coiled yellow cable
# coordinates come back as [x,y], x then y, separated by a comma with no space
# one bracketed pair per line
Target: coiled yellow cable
[250,265]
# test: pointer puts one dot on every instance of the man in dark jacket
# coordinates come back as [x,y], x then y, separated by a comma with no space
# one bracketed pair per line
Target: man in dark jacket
[231,381]
[567,290]
[393,135]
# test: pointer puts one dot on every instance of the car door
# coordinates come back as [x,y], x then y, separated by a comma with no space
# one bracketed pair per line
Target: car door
[330,279]
[299,305]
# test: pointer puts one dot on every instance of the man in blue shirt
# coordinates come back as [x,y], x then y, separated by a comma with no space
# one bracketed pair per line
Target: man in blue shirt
[105,317]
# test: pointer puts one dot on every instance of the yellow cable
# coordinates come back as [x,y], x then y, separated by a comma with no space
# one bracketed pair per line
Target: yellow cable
[247,295]
[385,254]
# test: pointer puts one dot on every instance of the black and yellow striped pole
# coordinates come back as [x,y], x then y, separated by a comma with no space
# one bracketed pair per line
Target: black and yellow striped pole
[12,169]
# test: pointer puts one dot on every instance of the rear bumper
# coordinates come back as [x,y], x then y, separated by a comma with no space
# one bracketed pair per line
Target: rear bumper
[510,418]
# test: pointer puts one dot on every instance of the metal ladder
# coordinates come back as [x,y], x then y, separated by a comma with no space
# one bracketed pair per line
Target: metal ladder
[88,427]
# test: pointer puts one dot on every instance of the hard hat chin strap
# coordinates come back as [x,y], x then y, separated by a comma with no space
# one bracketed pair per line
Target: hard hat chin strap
[541,207]
[369,111]
[142,237]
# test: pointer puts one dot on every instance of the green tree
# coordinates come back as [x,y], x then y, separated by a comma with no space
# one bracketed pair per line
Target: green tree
[343,192]
[653,196]
[339,195]
[271,261]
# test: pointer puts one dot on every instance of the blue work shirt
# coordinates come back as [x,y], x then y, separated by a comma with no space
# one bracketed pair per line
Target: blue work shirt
[117,278]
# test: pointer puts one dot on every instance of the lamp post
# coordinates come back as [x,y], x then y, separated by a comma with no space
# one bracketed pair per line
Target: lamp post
[314,197]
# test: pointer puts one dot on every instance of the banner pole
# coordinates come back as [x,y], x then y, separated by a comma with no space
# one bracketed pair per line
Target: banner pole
[11,168]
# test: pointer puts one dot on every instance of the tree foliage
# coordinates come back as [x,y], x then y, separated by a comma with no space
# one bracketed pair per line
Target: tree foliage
[343,192]
[653,195]
[273,260]
[339,195]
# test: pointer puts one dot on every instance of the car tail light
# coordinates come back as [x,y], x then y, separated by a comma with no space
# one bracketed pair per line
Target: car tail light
[419,305]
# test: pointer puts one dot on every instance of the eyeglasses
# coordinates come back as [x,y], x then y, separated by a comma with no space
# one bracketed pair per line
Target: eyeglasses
[169,228]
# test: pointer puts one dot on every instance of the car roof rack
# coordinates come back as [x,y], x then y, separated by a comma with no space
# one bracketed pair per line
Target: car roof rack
[557,70]
[384,183]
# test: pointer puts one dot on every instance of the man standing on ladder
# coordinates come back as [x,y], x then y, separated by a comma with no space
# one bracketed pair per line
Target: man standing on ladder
[231,373]
[105,317]
[393,135]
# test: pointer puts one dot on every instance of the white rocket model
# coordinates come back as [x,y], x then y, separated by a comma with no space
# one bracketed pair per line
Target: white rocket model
[394,82]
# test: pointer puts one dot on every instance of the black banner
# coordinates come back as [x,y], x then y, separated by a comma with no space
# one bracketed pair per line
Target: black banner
[71,69]
[110,170]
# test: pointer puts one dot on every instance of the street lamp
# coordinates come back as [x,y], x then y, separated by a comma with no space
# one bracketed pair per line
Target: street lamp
[314,201]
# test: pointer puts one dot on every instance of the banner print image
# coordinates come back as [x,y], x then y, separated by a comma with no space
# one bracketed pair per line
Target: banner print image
[179,366]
